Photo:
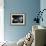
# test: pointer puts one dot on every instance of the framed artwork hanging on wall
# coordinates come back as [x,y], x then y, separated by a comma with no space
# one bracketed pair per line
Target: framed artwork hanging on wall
[17,19]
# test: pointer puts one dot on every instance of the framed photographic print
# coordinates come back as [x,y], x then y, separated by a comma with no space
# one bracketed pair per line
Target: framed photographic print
[17,19]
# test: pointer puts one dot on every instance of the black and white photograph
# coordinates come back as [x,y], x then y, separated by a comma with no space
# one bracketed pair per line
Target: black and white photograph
[17,19]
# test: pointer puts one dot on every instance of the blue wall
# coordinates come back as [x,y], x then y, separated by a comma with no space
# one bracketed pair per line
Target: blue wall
[43,6]
[28,7]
